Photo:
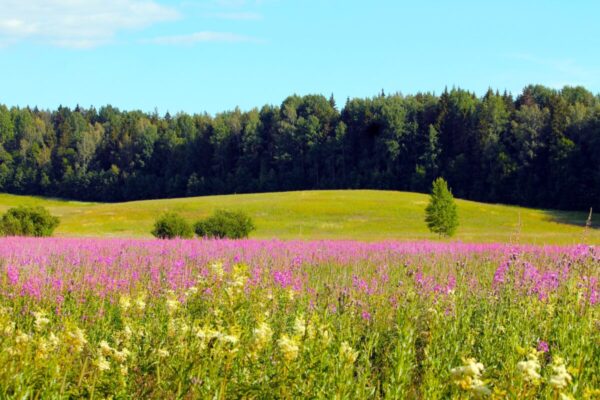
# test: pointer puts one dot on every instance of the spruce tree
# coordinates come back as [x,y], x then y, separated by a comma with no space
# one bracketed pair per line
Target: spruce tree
[441,213]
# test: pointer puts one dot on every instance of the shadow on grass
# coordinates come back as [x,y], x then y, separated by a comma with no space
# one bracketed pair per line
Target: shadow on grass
[575,218]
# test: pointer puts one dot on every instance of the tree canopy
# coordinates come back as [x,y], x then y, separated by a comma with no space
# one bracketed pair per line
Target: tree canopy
[538,149]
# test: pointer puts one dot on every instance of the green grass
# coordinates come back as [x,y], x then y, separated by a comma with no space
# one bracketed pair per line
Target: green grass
[336,214]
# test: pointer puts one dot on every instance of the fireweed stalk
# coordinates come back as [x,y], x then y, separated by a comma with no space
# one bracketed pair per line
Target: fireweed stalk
[275,319]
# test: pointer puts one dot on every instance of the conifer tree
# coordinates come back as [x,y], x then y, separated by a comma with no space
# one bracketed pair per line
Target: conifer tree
[441,212]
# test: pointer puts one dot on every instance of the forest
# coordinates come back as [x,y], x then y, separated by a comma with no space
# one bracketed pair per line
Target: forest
[540,148]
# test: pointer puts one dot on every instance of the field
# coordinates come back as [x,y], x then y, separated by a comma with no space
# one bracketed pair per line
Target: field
[297,319]
[361,215]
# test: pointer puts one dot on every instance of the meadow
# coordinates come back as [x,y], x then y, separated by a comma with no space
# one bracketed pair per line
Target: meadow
[336,214]
[127,318]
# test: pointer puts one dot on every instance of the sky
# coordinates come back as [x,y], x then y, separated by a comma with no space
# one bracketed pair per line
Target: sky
[213,55]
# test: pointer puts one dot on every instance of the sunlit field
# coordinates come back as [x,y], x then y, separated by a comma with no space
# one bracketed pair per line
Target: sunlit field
[273,319]
[322,214]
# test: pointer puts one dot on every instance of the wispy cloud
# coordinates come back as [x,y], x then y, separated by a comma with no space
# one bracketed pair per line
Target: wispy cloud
[76,23]
[203,37]
[240,16]
[567,70]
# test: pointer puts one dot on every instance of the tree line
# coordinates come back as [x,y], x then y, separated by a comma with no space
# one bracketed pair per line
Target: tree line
[540,148]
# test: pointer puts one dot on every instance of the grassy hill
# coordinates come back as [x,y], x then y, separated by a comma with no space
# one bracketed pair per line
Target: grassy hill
[341,214]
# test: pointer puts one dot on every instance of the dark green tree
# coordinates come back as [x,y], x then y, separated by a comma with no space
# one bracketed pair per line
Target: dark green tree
[441,213]
[171,225]
[225,224]
[28,221]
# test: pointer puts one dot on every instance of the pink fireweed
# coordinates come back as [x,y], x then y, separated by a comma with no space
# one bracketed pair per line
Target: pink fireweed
[53,269]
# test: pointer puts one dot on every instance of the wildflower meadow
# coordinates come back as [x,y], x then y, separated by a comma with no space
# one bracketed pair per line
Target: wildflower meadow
[222,319]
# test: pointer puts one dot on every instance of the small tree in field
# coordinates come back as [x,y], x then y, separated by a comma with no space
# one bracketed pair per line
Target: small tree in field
[170,226]
[28,221]
[441,215]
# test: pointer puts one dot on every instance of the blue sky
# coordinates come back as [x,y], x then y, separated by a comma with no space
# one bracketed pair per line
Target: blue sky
[213,55]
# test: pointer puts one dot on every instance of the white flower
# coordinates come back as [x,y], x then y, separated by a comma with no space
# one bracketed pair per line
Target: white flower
[471,368]
[300,326]
[102,364]
[217,269]
[560,378]
[347,353]
[140,303]
[263,334]
[479,389]
[289,347]
[125,302]
[162,353]
[172,305]
[105,348]
[530,368]
[40,320]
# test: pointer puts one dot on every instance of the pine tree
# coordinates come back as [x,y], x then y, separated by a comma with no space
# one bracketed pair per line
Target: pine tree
[441,213]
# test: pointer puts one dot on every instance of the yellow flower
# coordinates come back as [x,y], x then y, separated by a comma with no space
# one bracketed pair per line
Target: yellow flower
[467,377]
[470,368]
[121,356]
[231,339]
[591,393]
[300,326]
[479,389]
[262,335]
[102,364]
[105,348]
[289,348]
[53,340]
[531,367]
[347,354]
[560,378]
[22,338]
[140,303]
[162,353]
[217,269]
[125,303]
[40,320]
[172,305]
[76,339]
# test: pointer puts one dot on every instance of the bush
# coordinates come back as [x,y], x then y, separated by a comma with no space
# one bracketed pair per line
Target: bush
[441,213]
[171,225]
[28,221]
[225,224]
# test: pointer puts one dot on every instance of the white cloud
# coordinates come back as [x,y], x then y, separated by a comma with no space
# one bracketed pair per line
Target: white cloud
[76,23]
[199,37]
[240,16]
[565,69]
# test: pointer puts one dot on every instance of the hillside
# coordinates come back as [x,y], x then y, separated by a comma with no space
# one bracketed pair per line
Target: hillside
[343,214]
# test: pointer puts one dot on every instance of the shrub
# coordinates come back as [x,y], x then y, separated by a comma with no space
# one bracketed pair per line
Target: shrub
[225,224]
[28,221]
[441,214]
[171,225]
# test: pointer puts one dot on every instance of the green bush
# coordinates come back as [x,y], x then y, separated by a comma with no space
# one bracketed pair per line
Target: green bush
[441,212]
[225,224]
[28,221]
[171,225]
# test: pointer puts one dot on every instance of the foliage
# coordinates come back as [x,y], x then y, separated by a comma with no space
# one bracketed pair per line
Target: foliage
[225,224]
[28,221]
[170,226]
[271,319]
[538,149]
[441,213]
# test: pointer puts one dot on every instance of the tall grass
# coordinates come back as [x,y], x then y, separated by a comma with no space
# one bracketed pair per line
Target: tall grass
[272,319]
